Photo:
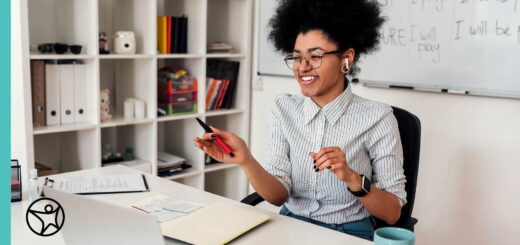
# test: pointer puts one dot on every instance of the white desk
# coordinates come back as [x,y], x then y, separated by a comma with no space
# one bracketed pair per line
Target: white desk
[279,230]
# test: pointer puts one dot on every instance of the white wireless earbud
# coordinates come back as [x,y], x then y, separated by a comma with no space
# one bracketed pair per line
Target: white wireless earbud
[345,68]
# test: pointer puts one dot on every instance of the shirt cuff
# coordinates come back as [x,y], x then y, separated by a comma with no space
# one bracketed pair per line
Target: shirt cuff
[401,202]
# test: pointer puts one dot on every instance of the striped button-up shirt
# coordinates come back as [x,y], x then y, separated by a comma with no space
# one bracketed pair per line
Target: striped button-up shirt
[365,130]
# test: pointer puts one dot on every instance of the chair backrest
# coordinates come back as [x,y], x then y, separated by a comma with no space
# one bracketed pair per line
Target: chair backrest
[410,131]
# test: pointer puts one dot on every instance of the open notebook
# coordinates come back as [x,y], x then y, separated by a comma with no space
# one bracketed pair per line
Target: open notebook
[214,224]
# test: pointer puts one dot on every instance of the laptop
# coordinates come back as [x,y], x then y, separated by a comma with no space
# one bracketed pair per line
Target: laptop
[89,221]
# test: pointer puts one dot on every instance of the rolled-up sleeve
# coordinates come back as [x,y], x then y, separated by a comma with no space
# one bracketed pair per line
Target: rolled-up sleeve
[277,162]
[386,152]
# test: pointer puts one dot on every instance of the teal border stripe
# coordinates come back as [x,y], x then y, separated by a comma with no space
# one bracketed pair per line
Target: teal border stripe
[5,122]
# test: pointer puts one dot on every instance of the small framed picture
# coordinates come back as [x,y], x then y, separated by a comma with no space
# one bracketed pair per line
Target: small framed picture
[16,181]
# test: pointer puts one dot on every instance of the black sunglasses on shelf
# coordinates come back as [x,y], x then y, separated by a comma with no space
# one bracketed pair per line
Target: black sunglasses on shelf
[58,48]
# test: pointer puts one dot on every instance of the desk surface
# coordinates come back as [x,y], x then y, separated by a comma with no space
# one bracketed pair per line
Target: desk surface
[279,230]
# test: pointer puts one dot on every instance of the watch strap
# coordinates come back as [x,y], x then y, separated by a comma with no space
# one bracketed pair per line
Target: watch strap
[365,187]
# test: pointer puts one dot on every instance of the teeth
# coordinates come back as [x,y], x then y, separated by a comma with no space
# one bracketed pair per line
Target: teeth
[308,78]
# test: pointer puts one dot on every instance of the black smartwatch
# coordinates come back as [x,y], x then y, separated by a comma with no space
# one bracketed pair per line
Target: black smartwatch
[365,187]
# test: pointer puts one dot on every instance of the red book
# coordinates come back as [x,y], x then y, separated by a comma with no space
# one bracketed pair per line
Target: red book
[222,94]
[168,34]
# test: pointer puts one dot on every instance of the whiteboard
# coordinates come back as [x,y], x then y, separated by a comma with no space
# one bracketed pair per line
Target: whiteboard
[270,62]
[464,46]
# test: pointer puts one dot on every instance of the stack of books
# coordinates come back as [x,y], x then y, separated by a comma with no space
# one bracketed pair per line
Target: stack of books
[172,34]
[221,83]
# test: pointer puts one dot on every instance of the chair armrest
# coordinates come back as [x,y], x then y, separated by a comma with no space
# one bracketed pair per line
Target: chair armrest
[408,223]
[252,199]
[405,222]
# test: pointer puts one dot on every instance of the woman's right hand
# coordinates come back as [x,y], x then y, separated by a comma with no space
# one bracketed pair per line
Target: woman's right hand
[237,145]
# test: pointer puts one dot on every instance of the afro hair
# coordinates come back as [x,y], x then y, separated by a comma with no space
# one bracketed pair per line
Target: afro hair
[347,23]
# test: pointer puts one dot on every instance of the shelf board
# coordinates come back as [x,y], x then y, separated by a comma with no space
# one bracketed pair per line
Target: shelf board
[179,116]
[219,166]
[221,112]
[125,56]
[137,164]
[179,56]
[225,55]
[187,173]
[61,56]
[122,122]
[129,163]
[62,128]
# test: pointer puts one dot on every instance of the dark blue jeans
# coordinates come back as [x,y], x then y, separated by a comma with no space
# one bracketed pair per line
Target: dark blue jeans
[360,228]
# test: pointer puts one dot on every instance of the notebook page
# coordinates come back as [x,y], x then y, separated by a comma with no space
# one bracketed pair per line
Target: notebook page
[215,224]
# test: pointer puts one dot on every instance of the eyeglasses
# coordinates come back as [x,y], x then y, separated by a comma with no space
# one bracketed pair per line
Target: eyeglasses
[312,57]
[58,48]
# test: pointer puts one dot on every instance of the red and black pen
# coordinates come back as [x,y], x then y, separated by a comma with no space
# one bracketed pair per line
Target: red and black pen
[217,139]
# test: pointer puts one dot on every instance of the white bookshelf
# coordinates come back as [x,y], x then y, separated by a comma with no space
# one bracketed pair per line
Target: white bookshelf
[81,146]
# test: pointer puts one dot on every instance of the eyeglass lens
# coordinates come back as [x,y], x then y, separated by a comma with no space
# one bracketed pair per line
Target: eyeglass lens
[313,59]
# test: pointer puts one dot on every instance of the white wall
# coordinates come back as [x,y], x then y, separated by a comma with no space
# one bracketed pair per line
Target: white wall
[469,166]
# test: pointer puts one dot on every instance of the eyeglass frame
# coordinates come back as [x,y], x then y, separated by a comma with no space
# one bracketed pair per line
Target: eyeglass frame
[301,58]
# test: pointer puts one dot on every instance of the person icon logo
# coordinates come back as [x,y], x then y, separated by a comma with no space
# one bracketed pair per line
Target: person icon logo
[45,217]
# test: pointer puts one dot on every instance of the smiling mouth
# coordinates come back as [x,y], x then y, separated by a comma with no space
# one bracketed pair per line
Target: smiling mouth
[307,79]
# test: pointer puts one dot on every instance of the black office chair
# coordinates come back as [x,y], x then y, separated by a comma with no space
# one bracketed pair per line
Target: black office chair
[410,131]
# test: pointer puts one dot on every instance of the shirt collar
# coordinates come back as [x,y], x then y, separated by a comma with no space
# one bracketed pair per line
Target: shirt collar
[332,111]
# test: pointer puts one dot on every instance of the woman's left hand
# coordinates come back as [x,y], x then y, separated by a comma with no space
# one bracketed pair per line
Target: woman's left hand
[334,159]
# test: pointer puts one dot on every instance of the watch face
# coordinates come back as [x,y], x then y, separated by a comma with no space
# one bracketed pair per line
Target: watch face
[365,187]
[366,184]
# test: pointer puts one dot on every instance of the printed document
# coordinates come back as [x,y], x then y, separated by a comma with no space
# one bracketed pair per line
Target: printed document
[165,208]
[97,184]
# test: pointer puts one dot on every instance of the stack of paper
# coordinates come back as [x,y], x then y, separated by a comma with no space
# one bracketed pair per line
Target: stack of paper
[220,47]
[165,208]
[169,164]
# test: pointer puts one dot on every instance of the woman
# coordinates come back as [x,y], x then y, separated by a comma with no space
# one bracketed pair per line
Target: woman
[352,143]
